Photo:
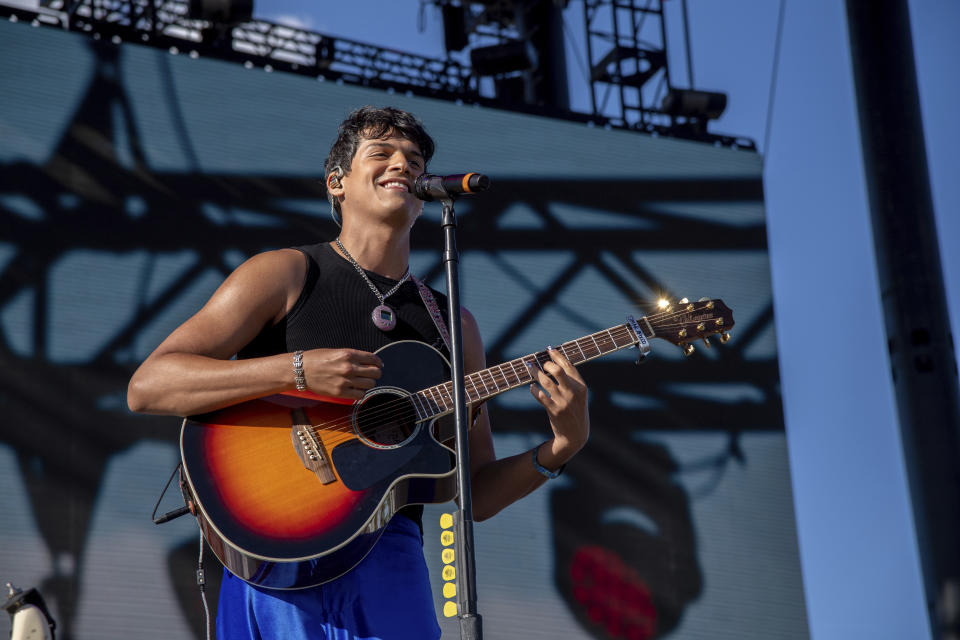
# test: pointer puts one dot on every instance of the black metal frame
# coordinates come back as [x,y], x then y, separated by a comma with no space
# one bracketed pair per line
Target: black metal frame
[263,44]
[603,19]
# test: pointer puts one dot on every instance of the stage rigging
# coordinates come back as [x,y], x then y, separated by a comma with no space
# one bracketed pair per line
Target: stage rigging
[513,56]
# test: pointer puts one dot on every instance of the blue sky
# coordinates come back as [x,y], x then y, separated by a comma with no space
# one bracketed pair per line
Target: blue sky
[855,530]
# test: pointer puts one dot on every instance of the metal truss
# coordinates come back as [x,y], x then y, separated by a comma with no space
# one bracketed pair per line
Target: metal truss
[624,66]
[624,63]
[164,24]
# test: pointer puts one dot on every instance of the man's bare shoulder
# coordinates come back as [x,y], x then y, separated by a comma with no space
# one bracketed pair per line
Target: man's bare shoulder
[278,262]
[276,275]
[279,269]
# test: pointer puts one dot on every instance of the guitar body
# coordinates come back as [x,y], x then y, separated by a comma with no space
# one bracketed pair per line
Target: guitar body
[293,491]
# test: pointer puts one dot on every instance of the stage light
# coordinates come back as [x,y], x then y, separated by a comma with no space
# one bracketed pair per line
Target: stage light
[221,11]
[498,59]
[691,103]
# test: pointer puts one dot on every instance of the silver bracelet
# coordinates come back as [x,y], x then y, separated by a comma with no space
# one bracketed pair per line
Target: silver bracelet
[298,376]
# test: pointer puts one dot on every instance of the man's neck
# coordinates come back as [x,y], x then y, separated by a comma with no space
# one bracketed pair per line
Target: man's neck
[381,250]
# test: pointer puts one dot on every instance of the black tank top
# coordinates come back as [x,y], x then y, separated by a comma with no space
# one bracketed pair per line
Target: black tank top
[333,312]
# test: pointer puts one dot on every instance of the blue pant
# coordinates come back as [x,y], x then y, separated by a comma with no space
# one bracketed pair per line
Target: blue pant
[385,597]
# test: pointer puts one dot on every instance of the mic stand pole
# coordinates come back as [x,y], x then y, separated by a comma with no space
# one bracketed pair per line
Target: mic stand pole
[470,620]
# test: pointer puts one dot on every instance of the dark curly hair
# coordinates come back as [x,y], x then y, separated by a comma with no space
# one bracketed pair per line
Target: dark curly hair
[372,123]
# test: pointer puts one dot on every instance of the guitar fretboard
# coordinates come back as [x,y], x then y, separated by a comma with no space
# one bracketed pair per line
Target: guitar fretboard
[481,385]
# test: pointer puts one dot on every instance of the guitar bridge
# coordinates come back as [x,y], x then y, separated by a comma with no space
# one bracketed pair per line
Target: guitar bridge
[310,448]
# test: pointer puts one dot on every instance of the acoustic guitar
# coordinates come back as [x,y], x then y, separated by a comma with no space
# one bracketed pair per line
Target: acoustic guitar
[293,490]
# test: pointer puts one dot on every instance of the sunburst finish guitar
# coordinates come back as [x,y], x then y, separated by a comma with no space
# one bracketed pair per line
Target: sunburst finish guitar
[293,490]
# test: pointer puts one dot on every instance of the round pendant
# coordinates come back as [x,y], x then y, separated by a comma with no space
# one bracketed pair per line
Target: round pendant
[384,318]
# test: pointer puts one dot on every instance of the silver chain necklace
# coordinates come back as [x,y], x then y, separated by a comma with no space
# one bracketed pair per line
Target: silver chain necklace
[384,318]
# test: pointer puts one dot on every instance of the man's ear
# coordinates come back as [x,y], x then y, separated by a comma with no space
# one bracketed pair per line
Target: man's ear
[334,185]
[334,181]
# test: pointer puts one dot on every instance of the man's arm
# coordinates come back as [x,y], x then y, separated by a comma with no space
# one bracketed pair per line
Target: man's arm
[191,372]
[499,483]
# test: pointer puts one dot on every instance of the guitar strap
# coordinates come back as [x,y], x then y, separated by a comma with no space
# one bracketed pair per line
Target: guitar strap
[431,304]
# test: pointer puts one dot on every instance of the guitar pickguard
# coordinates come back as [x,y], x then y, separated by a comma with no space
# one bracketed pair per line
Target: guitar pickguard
[362,466]
[374,458]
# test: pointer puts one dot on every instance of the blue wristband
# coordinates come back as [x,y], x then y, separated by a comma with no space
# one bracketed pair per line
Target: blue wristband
[546,473]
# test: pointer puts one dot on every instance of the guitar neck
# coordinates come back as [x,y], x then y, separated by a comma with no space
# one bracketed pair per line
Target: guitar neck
[482,385]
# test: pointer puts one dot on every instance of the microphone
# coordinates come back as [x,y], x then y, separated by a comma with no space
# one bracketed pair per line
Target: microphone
[429,187]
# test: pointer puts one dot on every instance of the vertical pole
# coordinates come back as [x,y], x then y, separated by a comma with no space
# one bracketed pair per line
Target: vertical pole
[686,40]
[587,20]
[666,67]
[471,624]
[541,23]
[922,357]
[618,61]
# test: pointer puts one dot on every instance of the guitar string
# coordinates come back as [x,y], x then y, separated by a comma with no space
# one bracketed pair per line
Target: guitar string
[404,406]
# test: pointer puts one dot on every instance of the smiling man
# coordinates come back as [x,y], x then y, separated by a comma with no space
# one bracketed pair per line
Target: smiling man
[312,318]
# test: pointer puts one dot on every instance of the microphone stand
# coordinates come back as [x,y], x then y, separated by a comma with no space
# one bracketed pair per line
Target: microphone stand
[470,619]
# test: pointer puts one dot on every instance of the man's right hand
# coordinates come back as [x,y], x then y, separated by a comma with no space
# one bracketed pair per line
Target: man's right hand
[341,373]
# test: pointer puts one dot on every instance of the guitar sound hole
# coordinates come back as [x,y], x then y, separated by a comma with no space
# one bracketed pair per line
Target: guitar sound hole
[386,419]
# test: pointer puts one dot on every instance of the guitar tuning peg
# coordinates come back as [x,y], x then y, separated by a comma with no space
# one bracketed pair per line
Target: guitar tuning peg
[706,343]
[704,299]
[725,337]
[688,349]
[683,301]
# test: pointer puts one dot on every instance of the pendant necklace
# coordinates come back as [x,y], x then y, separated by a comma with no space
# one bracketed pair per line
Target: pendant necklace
[384,318]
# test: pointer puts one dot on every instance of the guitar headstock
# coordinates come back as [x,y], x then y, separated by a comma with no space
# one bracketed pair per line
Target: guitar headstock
[684,322]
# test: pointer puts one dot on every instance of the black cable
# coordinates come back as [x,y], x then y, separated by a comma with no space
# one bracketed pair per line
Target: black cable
[202,584]
[585,71]
[169,515]
[773,80]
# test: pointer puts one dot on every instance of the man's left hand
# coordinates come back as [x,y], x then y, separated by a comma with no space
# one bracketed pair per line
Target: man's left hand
[563,393]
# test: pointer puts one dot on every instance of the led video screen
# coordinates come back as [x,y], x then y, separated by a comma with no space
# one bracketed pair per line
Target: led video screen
[133,181]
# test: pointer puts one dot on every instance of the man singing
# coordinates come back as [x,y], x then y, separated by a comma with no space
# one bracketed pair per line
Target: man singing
[311,318]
